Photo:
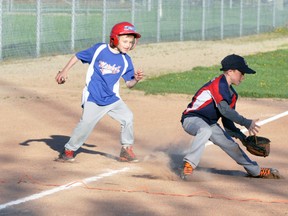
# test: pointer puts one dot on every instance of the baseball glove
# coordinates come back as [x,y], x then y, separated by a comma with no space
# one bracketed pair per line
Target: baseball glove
[256,145]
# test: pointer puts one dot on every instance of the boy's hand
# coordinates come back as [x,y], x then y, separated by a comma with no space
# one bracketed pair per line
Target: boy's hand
[253,129]
[138,75]
[61,77]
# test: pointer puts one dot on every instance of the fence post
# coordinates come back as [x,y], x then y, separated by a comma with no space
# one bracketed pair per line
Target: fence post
[104,22]
[1,23]
[159,15]
[258,16]
[10,5]
[274,14]
[38,28]
[133,12]
[222,19]
[241,19]
[73,25]
[149,7]
[203,18]
[181,19]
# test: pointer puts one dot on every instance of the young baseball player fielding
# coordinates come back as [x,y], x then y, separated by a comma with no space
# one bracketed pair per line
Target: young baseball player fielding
[107,64]
[215,100]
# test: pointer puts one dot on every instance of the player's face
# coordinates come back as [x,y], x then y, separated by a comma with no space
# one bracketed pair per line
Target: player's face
[126,42]
[237,77]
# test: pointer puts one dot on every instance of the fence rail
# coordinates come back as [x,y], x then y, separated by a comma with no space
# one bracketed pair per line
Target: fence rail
[33,28]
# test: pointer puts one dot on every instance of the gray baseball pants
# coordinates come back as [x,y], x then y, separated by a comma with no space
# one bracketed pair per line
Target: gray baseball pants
[203,133]
[91,115]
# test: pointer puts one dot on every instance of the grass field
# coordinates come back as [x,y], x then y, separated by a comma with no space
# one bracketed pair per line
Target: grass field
[270,81]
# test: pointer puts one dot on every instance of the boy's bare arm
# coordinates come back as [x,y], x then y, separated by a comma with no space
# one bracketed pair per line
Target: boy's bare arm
[63,74]
[138,75]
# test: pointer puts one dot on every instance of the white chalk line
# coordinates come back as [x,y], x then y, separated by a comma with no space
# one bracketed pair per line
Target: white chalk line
[111,173]
[265,121]
[63,187]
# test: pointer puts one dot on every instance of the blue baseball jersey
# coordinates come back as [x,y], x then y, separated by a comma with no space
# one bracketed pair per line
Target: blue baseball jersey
[204,103]
[104,73]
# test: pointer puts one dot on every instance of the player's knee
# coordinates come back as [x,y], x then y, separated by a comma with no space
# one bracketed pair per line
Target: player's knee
[205,131]
[128,119]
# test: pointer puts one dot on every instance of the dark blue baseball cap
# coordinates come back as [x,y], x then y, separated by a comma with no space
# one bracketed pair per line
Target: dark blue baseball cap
[236,62]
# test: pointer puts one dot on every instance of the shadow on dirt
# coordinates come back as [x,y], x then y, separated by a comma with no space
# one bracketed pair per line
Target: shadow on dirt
[57,142]
[146,176]
[223,172]
[176,160]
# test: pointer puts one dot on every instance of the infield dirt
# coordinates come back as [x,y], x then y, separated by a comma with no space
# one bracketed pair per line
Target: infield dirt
[38,117]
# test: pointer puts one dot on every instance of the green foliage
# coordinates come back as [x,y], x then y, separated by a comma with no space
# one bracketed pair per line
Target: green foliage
[270,81]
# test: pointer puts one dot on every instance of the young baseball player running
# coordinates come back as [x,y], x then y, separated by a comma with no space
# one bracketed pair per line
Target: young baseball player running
[107,64]
[215,100]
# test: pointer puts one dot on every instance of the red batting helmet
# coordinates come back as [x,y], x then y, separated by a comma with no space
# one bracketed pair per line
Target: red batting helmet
[122,28]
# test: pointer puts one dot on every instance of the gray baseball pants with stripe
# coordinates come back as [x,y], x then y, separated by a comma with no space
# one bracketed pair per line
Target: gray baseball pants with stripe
[91,115]
[203,133]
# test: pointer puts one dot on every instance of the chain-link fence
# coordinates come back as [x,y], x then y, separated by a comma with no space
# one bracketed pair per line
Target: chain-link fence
[33,28]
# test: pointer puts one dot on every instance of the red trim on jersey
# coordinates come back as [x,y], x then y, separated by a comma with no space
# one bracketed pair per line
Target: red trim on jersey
[205,101]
